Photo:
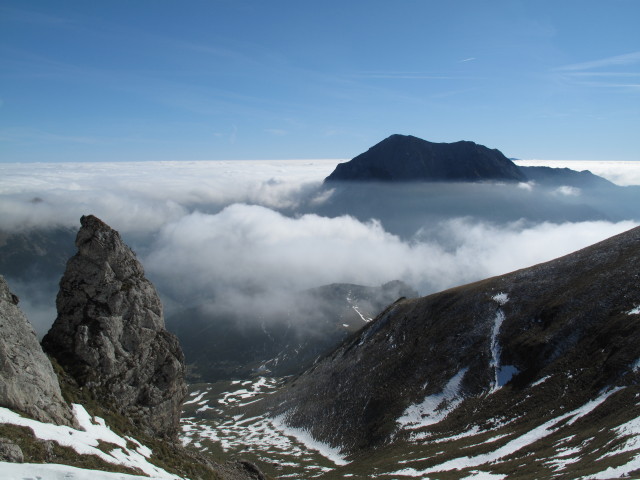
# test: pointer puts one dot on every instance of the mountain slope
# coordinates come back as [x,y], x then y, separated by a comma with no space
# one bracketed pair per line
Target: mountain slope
[546,352]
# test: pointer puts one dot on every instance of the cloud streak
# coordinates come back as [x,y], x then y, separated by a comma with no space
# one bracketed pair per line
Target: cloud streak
[616,60]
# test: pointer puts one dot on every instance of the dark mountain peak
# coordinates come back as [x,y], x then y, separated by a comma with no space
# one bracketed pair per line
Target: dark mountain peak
[407,158]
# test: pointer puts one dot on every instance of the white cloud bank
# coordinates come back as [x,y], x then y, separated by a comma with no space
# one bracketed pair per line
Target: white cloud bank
[247,250]
[229,231]
[143,196]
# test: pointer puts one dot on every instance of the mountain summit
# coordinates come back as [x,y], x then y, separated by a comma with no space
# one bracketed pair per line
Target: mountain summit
[408,158]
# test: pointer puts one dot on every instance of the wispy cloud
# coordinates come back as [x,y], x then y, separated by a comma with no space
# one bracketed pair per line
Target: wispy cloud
[619,69]
[278,132]
[616,60]
[409,76]
[470,59]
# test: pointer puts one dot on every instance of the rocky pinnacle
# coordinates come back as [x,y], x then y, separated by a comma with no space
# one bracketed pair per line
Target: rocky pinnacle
[109,334]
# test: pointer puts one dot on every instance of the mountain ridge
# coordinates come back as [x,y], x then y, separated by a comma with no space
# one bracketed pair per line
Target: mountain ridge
[525,347]
[409,158]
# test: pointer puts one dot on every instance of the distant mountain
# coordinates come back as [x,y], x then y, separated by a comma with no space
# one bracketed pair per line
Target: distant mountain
[281,341]
[35,253]
[408,158]
[565,176]
[526,375]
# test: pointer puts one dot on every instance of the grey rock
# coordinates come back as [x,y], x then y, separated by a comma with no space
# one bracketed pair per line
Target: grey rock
[109,334]
[28,382]
[10,452]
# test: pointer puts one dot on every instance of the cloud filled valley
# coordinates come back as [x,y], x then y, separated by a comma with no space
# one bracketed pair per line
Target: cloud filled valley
[236,234]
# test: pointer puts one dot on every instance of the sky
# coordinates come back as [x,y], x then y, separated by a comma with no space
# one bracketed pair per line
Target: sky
[227,80]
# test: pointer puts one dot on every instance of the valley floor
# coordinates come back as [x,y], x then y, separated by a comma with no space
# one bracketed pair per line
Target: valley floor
[225,418]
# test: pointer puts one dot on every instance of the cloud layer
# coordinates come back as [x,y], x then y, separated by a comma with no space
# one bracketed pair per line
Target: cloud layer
[249,250]
[241,235]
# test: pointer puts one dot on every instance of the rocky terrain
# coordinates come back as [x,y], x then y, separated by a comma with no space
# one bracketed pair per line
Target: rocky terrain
[509,365]
[109,334]
[111,397]
[28,383]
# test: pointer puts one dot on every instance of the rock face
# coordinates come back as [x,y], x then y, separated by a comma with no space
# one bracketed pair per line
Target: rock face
[28,383]
[513,356]
[407,158]
[109,334]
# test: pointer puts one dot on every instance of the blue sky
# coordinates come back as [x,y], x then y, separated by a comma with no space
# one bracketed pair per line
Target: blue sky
[206,80]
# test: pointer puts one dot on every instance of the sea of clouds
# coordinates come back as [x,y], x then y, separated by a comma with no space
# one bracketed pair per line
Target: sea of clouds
[241,232]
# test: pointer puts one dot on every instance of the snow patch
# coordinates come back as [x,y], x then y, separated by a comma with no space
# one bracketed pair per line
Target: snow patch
[478,475]
[617,472]
[504,374]
[523,440]
[542,380]
[434,408]
[50,471]
[85,442]
[304,436]
[501,298]
[634,311]
[495,348]
[364,319]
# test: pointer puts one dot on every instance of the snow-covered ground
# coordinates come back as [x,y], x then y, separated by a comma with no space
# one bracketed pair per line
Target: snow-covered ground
[434,408]
[86,442]
[50,471]
[222,420]
[564,457]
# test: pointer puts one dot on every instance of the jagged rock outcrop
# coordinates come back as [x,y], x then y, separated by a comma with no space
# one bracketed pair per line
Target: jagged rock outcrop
[497,357]
[408,158]
[28,382]
[109,335]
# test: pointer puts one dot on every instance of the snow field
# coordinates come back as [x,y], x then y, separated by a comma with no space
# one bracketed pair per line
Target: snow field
[86,442]
[270,439]
[519,442]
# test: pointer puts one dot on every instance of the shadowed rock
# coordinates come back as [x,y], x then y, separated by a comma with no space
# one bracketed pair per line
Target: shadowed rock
[28,383]
[109,334]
